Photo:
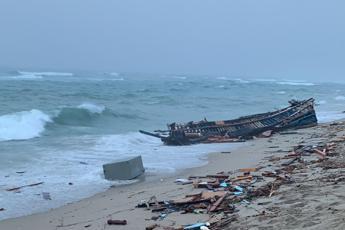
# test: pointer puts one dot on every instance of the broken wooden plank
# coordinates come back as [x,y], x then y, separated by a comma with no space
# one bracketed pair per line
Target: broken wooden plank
[215,205]
[322,153]
[239,178]
[289,162]
[246,170]
[218,176]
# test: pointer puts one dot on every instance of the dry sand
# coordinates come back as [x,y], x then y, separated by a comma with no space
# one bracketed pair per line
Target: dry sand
[313,201]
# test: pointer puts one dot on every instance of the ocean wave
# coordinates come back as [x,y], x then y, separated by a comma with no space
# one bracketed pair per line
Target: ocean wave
[114,74]
[23,125]
[329,116]
[180,77]
[340,98]
[295,83]
[321,102]
[242,81]
[114,79]
[80,115]
[223,78]
[86,113]
[92,107]
[42,74]
[30,124]
[237,80]
[265,80]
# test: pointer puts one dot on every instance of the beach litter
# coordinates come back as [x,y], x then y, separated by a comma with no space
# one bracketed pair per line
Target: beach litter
[23,186]
[46,195]
[183,181]
[124,169]
[222,194]
[117,222]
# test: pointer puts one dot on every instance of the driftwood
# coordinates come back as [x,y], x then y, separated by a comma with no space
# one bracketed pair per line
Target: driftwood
[29,185]
[117,222]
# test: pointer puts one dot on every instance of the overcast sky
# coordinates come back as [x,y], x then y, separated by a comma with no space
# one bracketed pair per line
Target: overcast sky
[293,39]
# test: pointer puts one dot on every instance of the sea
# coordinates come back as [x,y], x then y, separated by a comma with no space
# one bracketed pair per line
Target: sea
[60,128]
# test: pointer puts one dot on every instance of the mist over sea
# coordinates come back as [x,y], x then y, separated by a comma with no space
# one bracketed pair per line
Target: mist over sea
[61,127]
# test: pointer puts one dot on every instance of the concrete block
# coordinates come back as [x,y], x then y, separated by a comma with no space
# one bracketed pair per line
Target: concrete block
[124,169]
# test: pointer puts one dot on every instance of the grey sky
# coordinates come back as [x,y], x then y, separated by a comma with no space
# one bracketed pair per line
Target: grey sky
[293,39]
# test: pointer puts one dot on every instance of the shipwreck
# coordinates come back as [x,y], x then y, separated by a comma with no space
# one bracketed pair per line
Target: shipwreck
[299,114]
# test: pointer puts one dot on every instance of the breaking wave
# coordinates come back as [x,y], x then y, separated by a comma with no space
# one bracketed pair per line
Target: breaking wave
[86,113]
[30,124]
[23,125]
[340,98]
[297,83]
[80,115]
[42,74]
[92,107]
[25,77]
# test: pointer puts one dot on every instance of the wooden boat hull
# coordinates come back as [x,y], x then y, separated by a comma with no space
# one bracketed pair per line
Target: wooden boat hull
[298,115]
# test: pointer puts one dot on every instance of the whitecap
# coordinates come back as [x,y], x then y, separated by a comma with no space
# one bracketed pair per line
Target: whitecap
[114,74]
[92,107]
[23,125]
[42,74]
[242,81]
[180,77]
[223,78]
[116,79]
[295,83]
[340,98]
[322,102]
[265,80]
[25,77]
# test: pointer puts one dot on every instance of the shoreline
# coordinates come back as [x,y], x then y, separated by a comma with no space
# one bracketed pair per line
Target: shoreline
[149,176]
[213,160]
[310,201]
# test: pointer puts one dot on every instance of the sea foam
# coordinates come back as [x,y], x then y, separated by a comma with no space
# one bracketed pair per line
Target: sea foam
[23,125]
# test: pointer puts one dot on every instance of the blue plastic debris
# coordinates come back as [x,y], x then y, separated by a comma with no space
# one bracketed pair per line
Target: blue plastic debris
[238,193]
[238,188]
[196,226]
[224,185]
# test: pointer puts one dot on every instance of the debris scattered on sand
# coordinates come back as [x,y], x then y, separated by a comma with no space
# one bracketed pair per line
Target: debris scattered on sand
[224,193]
[117,222]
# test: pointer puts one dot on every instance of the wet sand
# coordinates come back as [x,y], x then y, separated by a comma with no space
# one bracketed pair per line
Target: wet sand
[315,199]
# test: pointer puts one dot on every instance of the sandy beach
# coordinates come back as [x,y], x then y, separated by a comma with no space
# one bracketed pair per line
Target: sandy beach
[313,198]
